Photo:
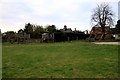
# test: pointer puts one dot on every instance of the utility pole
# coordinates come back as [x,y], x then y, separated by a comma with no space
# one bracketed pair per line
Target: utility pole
[119,10]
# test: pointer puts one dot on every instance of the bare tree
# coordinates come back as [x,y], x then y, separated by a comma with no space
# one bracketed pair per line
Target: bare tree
[103,16]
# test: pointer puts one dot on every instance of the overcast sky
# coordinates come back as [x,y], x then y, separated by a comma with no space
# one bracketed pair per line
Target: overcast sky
[73,13]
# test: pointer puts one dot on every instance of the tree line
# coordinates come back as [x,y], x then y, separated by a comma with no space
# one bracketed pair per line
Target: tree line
[35,31]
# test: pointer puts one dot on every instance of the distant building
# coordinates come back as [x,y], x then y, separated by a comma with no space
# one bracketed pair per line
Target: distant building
[115,33]
[47,37]
[23,36]
[97,31]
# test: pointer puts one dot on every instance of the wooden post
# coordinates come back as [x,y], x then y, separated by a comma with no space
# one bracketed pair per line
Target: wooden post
[77,38]
[53,37]
[68,38]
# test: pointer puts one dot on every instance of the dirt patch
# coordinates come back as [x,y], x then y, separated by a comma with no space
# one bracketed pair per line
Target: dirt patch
[111,43]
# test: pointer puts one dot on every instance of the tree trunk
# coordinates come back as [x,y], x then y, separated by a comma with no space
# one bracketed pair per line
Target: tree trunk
[103,33]
[103,36]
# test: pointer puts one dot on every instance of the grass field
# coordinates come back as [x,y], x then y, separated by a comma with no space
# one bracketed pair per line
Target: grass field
[60,60]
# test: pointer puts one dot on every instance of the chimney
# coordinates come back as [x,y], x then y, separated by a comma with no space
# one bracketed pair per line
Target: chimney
[75,30]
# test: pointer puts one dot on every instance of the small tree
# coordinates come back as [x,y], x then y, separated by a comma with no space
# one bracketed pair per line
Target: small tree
[103,16]
[28,28]
[51,28]
[65,27]
[38,31]
[11,36]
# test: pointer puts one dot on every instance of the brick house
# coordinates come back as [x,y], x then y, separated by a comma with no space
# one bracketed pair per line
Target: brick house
[97,31]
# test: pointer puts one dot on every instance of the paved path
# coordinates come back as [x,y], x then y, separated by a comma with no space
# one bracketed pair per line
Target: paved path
[113,43]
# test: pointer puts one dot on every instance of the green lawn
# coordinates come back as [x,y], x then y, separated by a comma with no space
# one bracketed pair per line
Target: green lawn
[60,60]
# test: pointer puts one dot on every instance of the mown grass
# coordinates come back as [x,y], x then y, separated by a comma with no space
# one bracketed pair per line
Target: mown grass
[60,60]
